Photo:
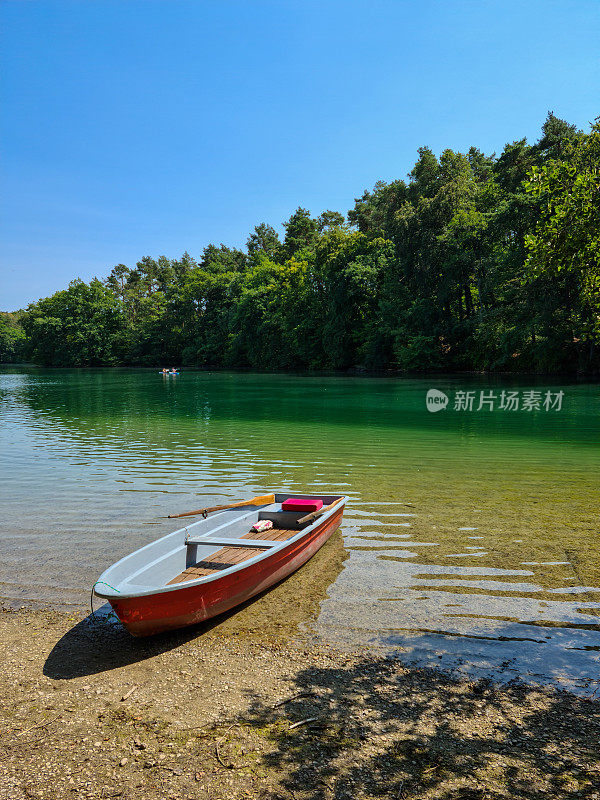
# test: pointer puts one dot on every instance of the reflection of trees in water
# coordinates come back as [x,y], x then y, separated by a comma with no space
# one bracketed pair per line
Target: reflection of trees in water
[279,415]
[110,396]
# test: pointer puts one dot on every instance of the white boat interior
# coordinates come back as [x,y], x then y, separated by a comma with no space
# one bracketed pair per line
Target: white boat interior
[203,550]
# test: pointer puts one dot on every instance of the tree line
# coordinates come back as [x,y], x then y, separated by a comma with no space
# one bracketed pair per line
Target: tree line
[475,262]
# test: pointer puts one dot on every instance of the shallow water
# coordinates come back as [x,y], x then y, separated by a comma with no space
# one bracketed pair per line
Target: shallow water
[472,535]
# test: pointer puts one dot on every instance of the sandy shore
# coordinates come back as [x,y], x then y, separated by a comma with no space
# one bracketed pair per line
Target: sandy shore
[87,711]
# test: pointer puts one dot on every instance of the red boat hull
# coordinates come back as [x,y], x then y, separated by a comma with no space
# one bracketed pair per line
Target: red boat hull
[155,613]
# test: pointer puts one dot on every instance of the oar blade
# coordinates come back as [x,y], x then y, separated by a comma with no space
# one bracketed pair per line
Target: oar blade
[261,501]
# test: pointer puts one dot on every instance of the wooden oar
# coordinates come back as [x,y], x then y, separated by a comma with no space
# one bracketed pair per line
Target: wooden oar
[256,501]
[314,514]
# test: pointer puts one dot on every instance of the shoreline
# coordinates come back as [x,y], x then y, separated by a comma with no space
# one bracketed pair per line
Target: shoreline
[354,372]
[216,712]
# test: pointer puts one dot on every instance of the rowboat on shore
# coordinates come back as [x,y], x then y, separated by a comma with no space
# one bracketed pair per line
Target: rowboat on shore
[212,565]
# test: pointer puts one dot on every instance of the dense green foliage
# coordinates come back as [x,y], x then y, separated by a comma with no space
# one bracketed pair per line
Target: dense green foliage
[12,336]
[474,262]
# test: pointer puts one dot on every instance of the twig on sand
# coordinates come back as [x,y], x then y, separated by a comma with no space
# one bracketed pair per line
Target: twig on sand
[39,725]
[294,697]
[128,694]
[303,722]
[218,754]
[219,759]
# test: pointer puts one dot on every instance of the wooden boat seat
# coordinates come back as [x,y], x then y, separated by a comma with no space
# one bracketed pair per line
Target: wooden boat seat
[234,552]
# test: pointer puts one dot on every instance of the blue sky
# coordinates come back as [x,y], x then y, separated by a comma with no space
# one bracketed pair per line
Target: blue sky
[140,127]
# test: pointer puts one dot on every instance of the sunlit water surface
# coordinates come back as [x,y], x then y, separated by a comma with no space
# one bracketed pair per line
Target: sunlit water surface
[473,536]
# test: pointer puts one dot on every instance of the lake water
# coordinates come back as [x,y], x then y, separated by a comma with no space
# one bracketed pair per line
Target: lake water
[493,566]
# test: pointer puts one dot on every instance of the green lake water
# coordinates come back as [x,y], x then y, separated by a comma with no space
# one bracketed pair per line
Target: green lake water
[493,566]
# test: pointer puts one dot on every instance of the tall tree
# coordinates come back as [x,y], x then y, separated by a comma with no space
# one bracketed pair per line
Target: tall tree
[264,240]
[564,247]
[301,232]
[223,259]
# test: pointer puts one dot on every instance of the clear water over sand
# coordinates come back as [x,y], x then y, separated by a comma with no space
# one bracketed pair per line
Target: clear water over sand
[495,568]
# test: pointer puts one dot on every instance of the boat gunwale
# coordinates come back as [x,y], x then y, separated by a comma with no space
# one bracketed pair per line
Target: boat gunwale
[145,592]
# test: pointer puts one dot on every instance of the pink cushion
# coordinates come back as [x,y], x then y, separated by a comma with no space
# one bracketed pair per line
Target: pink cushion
[297,504]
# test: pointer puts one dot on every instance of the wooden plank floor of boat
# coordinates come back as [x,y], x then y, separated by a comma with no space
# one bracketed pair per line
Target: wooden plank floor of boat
[228,556]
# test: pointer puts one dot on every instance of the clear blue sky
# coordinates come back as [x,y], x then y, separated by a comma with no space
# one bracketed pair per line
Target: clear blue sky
[139,127]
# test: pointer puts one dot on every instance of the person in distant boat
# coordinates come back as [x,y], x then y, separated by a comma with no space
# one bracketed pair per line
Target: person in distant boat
[165,371]
[174,369]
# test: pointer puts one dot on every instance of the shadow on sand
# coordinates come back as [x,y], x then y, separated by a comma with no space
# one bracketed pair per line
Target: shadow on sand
[99,643]
[376,729]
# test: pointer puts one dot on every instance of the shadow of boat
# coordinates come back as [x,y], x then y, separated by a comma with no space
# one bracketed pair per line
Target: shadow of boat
[100,643]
